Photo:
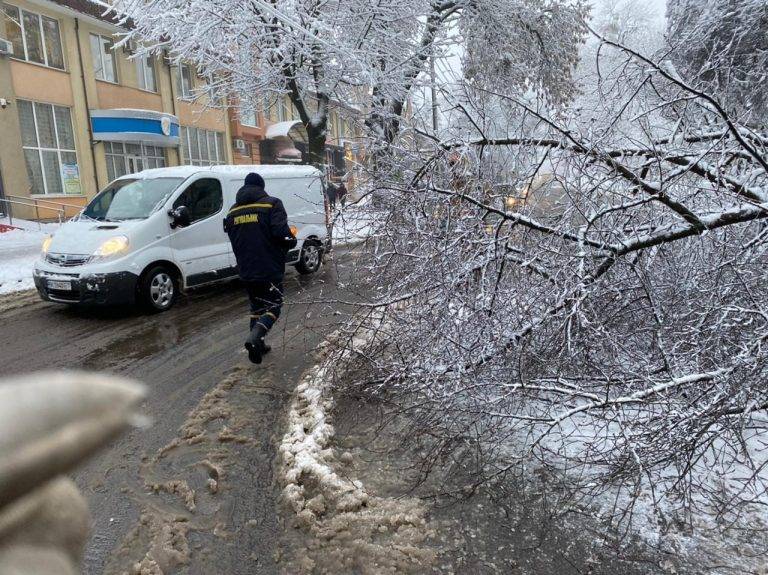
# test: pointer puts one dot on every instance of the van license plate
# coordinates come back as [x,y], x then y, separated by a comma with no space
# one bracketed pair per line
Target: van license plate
[60,285]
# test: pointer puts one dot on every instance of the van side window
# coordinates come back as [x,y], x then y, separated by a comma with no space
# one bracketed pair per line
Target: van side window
[203,199]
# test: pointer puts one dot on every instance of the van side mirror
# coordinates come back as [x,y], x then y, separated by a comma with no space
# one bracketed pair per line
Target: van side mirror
[179,217]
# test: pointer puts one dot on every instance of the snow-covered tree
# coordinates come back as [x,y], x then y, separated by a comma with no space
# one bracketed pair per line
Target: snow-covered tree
[630,22]
[598,313]
[721,46]
[364,53]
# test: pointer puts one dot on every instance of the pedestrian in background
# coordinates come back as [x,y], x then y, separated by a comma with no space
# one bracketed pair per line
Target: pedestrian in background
[257,225]
[341,194]
[331,192]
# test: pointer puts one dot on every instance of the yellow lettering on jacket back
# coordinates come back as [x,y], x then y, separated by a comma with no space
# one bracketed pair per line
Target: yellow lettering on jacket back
[246,219]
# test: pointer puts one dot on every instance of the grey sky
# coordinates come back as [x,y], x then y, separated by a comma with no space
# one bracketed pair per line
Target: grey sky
[659,7]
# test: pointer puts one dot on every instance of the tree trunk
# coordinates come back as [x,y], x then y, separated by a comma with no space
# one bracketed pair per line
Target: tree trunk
[316,137]
[316,123]
[316,126]
[316,143]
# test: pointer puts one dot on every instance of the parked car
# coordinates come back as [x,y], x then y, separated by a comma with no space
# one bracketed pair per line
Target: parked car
[149,236]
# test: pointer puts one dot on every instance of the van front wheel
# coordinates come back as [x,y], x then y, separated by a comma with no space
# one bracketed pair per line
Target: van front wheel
[159,289]
[310,258]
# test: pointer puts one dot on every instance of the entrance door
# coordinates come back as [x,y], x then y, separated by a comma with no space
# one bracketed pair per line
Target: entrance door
[202,248]
[135,164]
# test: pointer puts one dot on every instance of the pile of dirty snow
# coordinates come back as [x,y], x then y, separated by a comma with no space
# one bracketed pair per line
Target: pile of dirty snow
[353,530]
[306,454]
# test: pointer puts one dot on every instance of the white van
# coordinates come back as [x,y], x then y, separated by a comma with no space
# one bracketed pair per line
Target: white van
[149,236]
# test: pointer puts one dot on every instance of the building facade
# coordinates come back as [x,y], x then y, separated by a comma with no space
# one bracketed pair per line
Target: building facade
[75,112]
[276,135]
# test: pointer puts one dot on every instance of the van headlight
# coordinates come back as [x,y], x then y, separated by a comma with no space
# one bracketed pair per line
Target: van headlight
[112,247]
[46,244]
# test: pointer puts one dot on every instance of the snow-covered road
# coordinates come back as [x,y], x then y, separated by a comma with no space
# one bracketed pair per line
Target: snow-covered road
[199,379]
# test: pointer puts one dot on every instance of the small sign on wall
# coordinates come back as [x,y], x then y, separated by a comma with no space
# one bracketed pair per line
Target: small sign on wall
[70,179]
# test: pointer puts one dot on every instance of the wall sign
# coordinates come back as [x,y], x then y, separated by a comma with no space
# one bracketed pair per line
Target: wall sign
[144,126]
[70,179]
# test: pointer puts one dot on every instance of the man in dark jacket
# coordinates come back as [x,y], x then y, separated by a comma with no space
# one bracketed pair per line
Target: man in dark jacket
[331,192]
[341,194]
[257,226]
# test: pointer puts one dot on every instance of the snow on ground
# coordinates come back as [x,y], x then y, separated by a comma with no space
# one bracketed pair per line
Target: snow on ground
[736,537]
[353,224]
[18,251]
[350,525]
[305,452]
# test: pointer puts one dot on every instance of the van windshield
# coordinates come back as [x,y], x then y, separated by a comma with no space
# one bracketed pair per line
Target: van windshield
[129,199]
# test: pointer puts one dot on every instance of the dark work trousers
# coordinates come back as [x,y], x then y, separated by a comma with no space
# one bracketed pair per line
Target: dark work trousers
[266,302]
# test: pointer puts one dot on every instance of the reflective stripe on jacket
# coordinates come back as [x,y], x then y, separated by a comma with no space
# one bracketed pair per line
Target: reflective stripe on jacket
[257,226]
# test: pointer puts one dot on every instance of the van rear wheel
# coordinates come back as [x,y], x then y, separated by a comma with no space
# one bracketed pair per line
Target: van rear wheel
[159,289]
[310,258]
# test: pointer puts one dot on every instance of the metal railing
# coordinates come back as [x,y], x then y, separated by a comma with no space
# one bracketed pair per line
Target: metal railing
[8,203]
[46,204]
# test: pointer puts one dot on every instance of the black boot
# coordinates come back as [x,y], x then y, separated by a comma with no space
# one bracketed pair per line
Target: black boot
[255,343]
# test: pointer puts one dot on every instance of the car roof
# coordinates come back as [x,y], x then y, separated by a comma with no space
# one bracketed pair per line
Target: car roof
[232,172]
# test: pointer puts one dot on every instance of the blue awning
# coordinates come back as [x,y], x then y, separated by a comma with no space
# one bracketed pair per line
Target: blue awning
[144,126]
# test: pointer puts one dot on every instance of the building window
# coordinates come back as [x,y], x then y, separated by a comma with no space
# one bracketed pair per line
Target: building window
[35,38]
[279,110]
[268,107]
[339,128]
[248,117]
[186,81]
[215,94]
[104,60]
[282,109]
[127,158]
[202,147]
[49,143]
[335,163]
[145,70]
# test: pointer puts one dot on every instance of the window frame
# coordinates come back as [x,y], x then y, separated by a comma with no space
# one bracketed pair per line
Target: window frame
[58,150]
[145,64]
[282,109]
[255,113]
[192,222]
[112,53]
[146,156]
[336,134]
[268,106]
[183,93]
[200,136]
[41,30]
[43,19]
